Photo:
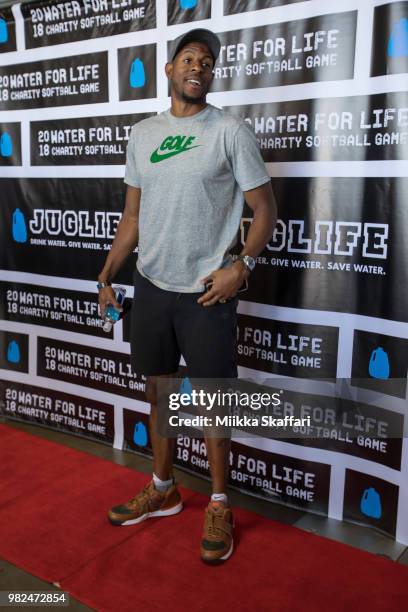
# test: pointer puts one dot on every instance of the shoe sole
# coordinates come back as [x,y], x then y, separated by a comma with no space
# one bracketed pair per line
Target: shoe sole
[221,559]
[140,519]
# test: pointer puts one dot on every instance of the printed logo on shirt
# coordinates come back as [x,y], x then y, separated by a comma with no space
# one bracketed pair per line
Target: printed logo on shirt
[173,145]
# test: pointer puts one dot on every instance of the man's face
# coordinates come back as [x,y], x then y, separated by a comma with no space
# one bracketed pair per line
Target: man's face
[191,72]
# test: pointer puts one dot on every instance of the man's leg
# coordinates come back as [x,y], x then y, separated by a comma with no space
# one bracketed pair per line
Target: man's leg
[218,456]
[154,350]
[207,338]
[160,497]
[163,447]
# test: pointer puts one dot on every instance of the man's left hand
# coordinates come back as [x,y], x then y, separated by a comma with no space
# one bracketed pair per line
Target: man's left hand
[225,284]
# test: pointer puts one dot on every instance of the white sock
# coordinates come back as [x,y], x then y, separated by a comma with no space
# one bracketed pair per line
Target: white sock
[220,497]
[161,485]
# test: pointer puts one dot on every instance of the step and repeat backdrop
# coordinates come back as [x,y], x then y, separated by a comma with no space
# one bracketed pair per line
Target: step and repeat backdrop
[324,87]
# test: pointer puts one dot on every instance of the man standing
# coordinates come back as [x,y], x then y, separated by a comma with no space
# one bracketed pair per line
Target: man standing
[188,170]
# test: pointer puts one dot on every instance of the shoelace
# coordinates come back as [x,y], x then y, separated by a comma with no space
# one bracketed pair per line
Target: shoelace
[141,499]
[213,527]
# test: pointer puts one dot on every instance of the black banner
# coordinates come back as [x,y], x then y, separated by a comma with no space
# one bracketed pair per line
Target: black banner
[371,501]
[185,11]
[330,418]
[137,72]
[303,484]
[77,415]
[10,144]
[345,426]
[48,23]
[232,7]
[316,49]
[78,79]
[320,239]
[78,364]
[355,128]
[88,140]
[339,245]
[7,30]
[66,309]
[287,349]
[61,227]
[380,363]
[191,454]
[389,53]
[299,483]
[136,435]
[13,351]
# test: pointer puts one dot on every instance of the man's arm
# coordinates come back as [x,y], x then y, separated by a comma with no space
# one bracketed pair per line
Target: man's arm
[124,243]
[227,281]
[263,205]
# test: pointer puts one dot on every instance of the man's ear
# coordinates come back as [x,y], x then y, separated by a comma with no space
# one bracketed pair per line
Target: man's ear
[168,70]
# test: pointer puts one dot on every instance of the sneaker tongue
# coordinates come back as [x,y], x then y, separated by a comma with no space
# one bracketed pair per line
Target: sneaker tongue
[216,505]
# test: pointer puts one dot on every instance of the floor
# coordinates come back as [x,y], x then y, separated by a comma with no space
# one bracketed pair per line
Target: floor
[14,579]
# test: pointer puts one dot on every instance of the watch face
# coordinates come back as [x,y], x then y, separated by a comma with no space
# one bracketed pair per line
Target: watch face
[249,262]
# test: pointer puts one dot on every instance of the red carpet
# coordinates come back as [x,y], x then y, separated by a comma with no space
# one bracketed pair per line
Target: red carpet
[52,524]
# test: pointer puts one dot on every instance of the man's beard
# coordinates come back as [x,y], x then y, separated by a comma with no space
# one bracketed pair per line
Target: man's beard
[192,100]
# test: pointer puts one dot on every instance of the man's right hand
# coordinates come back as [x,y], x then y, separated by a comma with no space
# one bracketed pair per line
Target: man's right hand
[107,296]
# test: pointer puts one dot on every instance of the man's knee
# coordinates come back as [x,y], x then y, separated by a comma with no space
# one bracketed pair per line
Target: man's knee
[155,384]
[151,390]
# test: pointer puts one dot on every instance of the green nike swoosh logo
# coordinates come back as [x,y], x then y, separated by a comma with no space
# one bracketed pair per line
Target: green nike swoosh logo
[156,157]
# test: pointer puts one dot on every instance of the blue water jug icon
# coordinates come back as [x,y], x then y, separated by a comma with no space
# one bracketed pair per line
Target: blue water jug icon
[3,31]
[140,434]
[370,503]
[379,366]
[13,352]
[19,228]
[188,4]
[398,42]
[137,75]
[6,145]
[186,387]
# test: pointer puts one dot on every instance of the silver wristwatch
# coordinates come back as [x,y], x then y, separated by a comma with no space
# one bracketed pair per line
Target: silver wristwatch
[248,261]
[103,284]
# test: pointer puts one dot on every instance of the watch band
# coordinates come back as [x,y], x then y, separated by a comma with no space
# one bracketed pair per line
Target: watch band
[102,285]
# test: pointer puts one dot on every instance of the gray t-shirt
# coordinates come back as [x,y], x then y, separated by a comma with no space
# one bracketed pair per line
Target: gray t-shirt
[191,172]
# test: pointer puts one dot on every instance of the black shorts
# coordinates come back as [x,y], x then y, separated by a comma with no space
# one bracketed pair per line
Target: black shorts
[166,324]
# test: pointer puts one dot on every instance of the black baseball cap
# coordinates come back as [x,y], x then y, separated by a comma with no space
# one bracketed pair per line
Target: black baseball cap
[198,35]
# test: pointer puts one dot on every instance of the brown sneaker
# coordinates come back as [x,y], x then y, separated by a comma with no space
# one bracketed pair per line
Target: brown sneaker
[146,504]
[217,543]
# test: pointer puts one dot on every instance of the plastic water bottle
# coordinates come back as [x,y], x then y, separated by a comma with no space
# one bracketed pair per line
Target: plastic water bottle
[112,314]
